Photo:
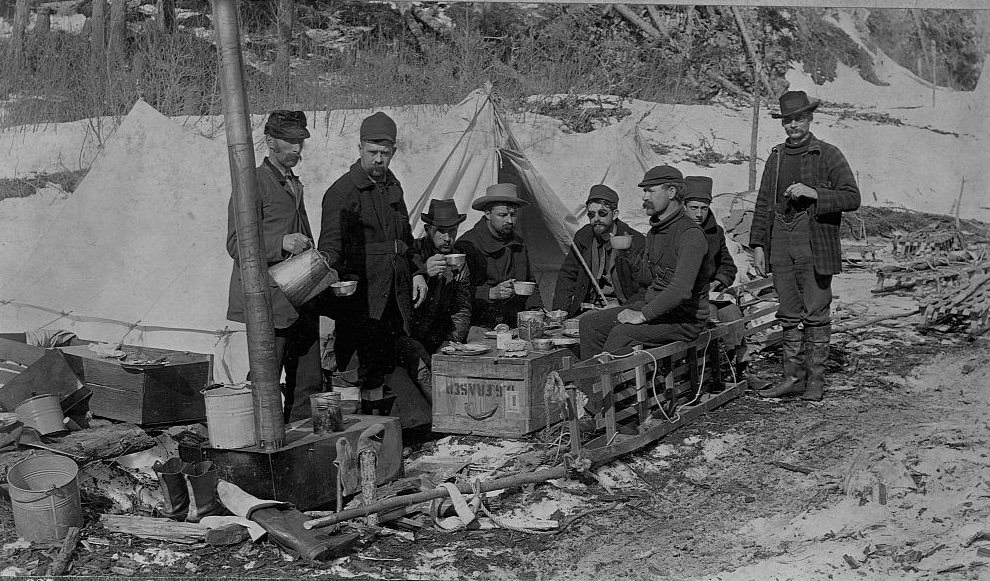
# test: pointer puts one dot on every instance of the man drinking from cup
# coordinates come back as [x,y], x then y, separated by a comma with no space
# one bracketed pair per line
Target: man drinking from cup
[445,314]
[498,260]
[602,254]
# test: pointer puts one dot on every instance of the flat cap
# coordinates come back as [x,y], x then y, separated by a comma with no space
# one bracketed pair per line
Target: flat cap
[378,127]
[661,174]
[698,188]
[604,193]
[283,124]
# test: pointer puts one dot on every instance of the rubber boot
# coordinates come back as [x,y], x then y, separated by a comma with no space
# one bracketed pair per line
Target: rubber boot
[173,485]
[816,340]
[203,482]
[793,355]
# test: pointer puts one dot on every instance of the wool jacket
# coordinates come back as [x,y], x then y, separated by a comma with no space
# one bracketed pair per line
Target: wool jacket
[573,283]
[720,263]
[674,269]
[366,235]
[492,261]
[281,211]
[824,168]
[445,315]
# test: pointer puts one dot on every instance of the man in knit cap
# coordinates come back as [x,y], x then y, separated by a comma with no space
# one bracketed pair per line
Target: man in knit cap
[285,232]
[673,274]
[366,235]
[806,186]
[611,267]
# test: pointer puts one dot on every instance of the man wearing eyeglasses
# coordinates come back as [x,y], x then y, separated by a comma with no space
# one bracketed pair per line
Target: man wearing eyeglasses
[806,186]
[609,267]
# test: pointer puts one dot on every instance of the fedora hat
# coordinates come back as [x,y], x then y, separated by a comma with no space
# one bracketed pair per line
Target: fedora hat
[794,102]
[506,194]
[443,214]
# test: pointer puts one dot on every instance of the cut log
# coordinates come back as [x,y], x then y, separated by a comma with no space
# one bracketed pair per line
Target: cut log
[105,442]
[61,561]
[157,529]
[657,19]
[230,534]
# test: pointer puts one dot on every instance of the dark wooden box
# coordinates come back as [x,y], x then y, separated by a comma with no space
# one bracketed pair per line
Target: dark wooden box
[27,371]
[302,471]
[159,395]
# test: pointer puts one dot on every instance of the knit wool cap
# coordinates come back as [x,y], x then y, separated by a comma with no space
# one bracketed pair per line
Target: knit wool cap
[603,193]
[661,174]
[284,124]
[378,127]
[698,188]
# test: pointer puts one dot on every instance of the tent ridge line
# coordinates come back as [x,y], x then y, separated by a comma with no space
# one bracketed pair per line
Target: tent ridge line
[226,331]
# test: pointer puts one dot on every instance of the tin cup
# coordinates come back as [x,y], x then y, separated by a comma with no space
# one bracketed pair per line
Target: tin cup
[327,412]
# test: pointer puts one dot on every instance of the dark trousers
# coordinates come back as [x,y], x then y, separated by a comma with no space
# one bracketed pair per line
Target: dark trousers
[601,331]
[374,341]
[805,296]
[297,351]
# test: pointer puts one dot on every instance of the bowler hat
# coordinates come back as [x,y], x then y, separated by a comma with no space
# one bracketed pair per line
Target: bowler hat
[601,192]
[284,124]
[506,194]
[378,127]
[698,188]
[794,102]
[443,214]
[661,174]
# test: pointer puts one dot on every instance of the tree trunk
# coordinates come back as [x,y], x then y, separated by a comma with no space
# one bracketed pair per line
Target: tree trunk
[634,19]
[98,38]
[751,49]
[22,13]
[166,15]
[268,419]
[44,22]
[118,28]
[286,20]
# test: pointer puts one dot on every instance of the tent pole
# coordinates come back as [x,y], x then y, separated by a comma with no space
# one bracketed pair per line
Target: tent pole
[268,420]
[591,275]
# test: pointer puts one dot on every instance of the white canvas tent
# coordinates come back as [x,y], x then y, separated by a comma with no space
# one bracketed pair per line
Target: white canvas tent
[136,254]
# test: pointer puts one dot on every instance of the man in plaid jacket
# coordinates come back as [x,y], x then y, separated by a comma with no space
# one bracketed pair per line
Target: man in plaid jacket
[806,186]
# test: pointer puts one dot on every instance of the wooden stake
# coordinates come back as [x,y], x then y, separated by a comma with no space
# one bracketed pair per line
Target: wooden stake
[754,136]
[962,186]
[268,417]
[61,561]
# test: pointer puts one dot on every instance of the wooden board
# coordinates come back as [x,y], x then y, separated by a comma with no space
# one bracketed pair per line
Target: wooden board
[166,394]
[492,395]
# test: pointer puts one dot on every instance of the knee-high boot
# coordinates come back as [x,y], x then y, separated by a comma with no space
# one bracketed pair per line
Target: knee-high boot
[203,478]
[793,355]
[816,340]
[173,485]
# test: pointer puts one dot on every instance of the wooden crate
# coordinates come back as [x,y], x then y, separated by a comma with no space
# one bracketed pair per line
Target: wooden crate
[166,394]
[489,395]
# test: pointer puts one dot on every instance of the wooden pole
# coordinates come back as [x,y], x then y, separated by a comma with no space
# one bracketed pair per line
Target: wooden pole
[98,38]
[754,136]
[257,301]
[962,186]
[286,21]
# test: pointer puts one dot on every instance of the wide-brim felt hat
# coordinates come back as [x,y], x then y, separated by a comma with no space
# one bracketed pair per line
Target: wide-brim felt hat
[698,188]
[795,102]
[283,124]
[661,174]
[499,194]
[443,214]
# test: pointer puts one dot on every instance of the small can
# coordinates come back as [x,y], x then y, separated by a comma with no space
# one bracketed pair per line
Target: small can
[327,413]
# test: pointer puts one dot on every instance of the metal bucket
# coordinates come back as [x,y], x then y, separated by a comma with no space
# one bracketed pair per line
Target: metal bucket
[43,413]
[303,276]
[530,325]
[230,417]
[44,495]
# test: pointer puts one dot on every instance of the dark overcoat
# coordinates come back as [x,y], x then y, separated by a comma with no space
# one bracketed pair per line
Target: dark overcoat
[720,263]
[445,315]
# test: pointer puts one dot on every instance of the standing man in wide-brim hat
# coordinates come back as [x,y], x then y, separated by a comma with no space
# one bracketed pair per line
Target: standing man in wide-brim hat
[497,257]
[806,186]
[285,232]
[445,315]
[367,237]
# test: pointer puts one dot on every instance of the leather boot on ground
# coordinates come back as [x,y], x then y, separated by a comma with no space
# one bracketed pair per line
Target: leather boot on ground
[173,484]
[792,352]
[816,340]
[203,479]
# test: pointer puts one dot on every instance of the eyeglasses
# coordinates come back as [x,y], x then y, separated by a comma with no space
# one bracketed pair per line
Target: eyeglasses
[600,213]
[800,118]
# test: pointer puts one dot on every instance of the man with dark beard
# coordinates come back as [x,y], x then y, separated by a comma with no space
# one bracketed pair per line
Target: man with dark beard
[673,274]
[285,232]
[497,257]
[612,268]
[806,185]
[366,235]
[445,315]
